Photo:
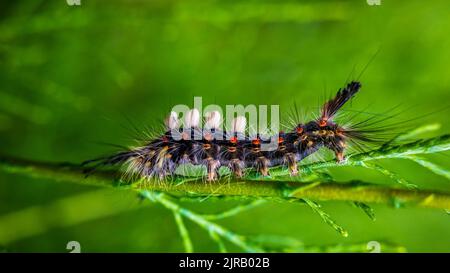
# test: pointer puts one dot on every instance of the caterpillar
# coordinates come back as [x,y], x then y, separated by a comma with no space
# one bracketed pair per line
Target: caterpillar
[158,158]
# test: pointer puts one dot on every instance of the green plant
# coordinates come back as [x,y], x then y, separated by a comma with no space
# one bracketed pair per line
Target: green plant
[308,189]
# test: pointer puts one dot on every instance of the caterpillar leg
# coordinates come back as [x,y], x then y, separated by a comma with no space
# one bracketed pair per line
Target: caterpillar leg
[237,166]
[262,165]
[212,167]
[340,156]
[291,162]
[338,148]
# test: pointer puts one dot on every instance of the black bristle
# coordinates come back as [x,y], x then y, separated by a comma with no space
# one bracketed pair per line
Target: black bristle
[343,95]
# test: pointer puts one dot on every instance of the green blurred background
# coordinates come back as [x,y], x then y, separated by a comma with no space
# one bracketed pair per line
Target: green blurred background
[72,76]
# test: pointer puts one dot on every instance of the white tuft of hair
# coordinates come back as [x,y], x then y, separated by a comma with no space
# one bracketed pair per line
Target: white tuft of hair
[172,121]
[192,118]
[239,123]
[213,120]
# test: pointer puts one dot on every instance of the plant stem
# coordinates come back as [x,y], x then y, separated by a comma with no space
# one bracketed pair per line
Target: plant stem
[199,220]
[274,190]
[187,243]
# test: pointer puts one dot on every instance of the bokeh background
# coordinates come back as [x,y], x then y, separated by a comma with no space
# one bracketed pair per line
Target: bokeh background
[73,77]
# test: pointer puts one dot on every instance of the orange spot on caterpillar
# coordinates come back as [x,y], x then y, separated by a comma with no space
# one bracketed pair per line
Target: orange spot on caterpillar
[299,130]
[233,140]
[322,122]
[256,141]
[340,132]
[280,140]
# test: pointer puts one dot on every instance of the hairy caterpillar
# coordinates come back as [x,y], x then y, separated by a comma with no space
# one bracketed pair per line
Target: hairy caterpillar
[215,148]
